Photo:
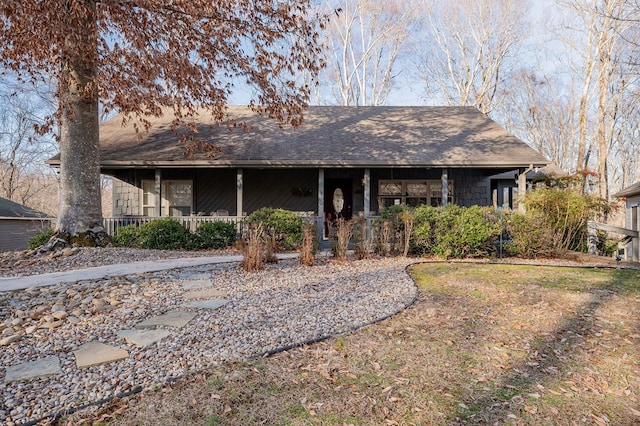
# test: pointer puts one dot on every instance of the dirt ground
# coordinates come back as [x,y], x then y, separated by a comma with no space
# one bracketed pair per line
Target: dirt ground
[483,344]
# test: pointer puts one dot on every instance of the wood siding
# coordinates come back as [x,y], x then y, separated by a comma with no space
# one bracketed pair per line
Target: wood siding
[289,189]
[16,233]
[215,189]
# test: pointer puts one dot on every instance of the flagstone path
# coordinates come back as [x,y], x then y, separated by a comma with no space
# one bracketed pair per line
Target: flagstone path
[73,340]
[146,333]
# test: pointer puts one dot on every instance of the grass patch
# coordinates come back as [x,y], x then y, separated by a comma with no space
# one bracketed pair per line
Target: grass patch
[483,344]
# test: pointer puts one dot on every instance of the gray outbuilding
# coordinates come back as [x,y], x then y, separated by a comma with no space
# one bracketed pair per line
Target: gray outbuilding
[18,224]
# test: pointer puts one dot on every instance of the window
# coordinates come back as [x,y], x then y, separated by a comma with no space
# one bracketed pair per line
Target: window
[177,198]
[148,198]
[412,192]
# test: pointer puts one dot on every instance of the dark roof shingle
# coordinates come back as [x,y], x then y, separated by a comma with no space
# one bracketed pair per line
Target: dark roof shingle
[629,191]
[11,209]
[329,136]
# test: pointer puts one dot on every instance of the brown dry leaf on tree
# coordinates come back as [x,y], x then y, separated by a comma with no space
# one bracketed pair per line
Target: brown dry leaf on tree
[148,58]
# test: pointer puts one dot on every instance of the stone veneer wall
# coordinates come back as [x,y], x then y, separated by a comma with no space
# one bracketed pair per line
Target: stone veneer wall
[126,199]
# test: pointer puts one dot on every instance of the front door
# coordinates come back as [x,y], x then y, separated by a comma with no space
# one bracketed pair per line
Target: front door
[337,202]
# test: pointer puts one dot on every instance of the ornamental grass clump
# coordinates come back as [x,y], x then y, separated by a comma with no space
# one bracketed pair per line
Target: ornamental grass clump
[390,230]
[308,244]
[361,238]
[343,231]
[254,249]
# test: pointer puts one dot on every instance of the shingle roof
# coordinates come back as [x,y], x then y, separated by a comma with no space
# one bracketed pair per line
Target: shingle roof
[629,191]
[329,136]
[12,209]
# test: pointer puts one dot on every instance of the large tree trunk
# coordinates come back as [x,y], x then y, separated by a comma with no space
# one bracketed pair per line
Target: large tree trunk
[80,210]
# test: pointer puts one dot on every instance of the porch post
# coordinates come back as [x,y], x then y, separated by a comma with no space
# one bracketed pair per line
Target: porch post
[367,193]
[239,191]
[158,191]
[635,242]
[522,189]
[320,217]
[445,187]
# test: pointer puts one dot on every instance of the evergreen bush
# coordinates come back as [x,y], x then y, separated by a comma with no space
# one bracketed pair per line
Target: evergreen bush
[126,236]
[41,238]
[562,212]
[216,235]
[164,234]
[424,236]
[466,232]
[282,225]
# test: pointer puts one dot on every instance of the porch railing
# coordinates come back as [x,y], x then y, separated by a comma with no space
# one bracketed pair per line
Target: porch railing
[111,224]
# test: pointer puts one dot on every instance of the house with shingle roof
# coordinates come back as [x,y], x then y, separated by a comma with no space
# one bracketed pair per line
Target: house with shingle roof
[18,224]
[631,196]
[340,162]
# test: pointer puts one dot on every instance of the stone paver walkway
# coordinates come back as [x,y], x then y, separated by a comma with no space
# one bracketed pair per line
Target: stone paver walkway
[44,367]
[199,294]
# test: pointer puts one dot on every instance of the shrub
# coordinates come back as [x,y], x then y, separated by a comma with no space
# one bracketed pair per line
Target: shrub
[283,225]
[424,235]
[126,236]
[41,238]
[216,235]
[390,229]
[529,235]
[455,231]
[466,232]
[164,234]
[566,212]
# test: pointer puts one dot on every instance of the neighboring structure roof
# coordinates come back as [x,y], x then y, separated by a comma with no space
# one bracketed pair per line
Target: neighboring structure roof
[549,170]
[629,191]
[329,136]
[11,209]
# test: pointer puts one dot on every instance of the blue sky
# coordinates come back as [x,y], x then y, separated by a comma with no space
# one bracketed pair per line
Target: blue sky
[407,88]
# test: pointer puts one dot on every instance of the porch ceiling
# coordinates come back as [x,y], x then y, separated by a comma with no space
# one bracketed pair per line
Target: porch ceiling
[328,137]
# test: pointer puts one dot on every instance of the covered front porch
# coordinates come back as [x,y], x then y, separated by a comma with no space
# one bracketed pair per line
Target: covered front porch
[323,195]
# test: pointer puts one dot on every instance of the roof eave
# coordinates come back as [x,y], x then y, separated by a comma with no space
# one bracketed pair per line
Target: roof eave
[304,164]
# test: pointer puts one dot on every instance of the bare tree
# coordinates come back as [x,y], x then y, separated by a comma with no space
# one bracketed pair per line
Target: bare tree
[364,40]
[471,49]
[607,76]
[140,56]
[22,150]
[540,113]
